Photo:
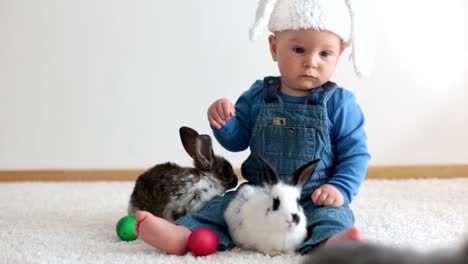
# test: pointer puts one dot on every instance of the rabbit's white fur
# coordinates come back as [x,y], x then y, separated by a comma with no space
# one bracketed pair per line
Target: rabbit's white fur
[254,225]
[255,221]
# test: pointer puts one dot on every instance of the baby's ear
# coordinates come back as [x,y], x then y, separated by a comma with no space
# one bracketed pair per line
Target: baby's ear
[342,47]
[273,46]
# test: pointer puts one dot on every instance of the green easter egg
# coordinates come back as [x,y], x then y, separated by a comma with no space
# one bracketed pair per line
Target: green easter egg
[126,228]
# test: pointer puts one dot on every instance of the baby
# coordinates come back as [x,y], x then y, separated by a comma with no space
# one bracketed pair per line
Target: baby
[289,120]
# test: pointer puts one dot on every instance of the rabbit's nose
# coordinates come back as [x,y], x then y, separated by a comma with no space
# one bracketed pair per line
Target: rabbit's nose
[295,218]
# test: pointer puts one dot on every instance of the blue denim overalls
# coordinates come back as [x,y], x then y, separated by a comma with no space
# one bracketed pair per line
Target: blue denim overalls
[287,135]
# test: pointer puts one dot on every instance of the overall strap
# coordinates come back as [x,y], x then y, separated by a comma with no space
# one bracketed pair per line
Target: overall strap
[330,88]
[321,98]
[271,85]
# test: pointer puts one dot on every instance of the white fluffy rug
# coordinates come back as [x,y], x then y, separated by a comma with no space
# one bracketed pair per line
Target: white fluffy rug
[75,222]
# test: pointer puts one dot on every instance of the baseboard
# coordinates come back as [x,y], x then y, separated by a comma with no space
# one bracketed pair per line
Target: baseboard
[374,172]
[70,175]
[417,171]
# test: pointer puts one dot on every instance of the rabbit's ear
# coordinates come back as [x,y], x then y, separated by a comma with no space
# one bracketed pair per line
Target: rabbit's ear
[271,176]
[303,174]
[188,137]
[203,152]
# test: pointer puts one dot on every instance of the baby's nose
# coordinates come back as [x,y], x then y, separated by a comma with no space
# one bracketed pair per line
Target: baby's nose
[310,62]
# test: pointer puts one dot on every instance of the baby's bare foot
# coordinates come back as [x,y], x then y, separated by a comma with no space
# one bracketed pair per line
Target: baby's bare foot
[161,234]
[353,234]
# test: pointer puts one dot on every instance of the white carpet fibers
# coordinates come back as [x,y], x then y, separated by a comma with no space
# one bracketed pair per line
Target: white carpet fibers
[75,222]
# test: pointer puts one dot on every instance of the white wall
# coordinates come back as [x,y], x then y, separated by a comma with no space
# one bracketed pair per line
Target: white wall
[107,83]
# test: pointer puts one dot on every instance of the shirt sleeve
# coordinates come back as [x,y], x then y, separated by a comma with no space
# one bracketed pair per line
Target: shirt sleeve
[235,134]
[350,146]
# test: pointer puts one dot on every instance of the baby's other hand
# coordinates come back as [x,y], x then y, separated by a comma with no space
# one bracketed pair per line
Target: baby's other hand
[220,111]
[327,195]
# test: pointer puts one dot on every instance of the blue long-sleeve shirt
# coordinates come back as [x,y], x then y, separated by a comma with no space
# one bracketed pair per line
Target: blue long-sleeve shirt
[345,125]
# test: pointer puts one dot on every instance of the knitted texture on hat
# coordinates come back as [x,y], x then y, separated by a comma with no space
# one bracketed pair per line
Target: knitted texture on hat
[330,15]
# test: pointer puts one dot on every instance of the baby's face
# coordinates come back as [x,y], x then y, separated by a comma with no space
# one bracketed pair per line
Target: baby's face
[306,58]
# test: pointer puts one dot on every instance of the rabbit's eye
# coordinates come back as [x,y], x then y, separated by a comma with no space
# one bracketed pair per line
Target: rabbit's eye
[276,203]
[227,170]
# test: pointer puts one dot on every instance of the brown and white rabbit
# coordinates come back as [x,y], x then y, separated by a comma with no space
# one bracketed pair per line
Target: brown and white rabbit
[270,219]
[170,191]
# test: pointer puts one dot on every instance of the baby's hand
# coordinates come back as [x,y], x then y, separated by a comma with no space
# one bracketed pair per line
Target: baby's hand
[220,111]
[327,195]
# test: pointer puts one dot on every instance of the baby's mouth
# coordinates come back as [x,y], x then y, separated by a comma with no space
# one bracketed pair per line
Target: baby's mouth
[308,76]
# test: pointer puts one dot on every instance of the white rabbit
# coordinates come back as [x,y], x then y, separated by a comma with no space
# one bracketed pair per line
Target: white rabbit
[270,219]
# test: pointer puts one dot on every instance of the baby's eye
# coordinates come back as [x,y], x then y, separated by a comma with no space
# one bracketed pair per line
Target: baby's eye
[325,53]
[298,50]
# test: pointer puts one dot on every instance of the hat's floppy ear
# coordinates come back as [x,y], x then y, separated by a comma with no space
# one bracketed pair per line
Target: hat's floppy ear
[363,34]
[262,18]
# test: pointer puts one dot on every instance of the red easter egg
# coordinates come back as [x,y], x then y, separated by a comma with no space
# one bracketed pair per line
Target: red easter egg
[203,241]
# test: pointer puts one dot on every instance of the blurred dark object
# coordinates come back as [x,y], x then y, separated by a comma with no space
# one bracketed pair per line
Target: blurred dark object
[363,253]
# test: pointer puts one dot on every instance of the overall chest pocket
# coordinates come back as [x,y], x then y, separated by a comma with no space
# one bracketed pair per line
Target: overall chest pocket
[290,142]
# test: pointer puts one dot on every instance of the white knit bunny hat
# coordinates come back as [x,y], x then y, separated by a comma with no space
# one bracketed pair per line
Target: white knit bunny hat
[349,19]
